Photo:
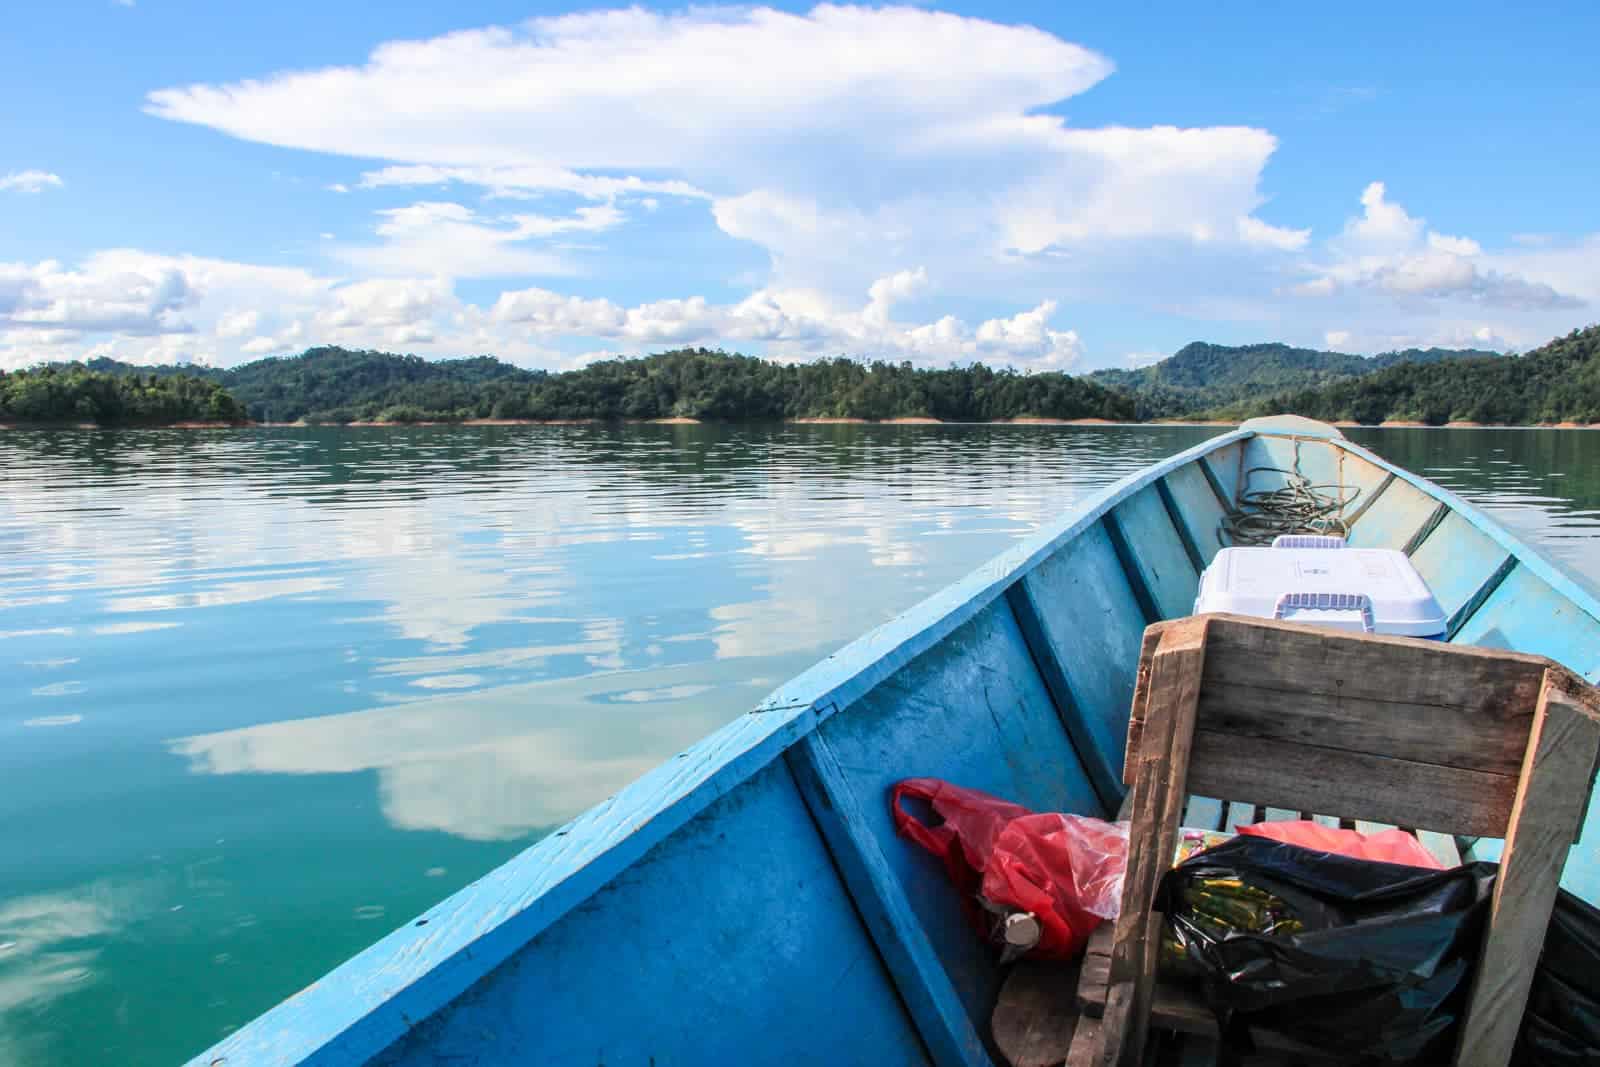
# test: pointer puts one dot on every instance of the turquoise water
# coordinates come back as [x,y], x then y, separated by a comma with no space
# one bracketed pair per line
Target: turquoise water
[268,693]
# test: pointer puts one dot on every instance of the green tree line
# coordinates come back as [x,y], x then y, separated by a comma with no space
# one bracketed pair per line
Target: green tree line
[74,393]
[1559,382]
[336,385]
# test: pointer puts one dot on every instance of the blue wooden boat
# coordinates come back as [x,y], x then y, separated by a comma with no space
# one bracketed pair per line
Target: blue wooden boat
[748,901]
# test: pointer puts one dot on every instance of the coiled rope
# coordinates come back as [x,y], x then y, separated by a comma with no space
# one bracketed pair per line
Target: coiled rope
[1298,506]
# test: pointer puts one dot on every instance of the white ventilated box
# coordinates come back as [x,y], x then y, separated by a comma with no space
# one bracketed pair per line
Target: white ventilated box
[1321,580]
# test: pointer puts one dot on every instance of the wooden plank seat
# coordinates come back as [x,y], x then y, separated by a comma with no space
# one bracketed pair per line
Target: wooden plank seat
[1390,730]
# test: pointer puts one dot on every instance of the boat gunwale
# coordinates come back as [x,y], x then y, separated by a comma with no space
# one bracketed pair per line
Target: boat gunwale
[364,1005]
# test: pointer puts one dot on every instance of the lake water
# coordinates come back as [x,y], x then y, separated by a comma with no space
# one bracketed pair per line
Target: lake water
[266,694]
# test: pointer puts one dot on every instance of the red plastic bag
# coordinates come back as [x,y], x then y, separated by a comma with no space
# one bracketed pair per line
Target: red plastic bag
[1064,869]
[1385,846]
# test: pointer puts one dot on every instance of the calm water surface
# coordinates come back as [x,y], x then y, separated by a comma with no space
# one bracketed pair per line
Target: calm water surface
[266,694]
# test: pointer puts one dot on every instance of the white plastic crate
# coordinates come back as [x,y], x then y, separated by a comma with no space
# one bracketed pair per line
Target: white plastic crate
[1315,579]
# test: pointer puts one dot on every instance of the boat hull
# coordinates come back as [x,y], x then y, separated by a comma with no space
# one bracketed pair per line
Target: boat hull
[749,901]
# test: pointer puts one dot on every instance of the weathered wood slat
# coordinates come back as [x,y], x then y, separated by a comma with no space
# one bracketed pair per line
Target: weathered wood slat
[1180,524]
[1141,699]
[1199,513]
[1240,814]
[1366,499]
[1221,468]
[1107,782]
[1157,553]
[1085,1042]
[1441,846]
[1394,517]
[1366,786]
[1033,1023]
[1422,732]
[1090,618]
[1159,791]
[935,1007]
[1563,749]
[1443,707]
[1427,527]
[1459,617]
[1455,560]
[1203,813]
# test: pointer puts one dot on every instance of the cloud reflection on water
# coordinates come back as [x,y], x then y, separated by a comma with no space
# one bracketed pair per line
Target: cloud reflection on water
[493,765]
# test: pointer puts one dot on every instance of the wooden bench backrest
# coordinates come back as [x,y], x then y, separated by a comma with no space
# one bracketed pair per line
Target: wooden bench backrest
[1415,733]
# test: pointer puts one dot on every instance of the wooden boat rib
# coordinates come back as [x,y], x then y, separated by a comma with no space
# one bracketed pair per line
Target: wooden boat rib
[748,901]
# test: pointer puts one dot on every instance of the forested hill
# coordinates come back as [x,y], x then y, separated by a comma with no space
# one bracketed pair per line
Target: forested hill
[1558,382]
[75,394]
[342,384]
[1202,376]
[338,385]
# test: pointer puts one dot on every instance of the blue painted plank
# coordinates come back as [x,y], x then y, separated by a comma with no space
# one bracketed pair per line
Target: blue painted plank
[1158,554]
[1223,463]
[1198,509]
[940,1018]
[1103,776]
[1175,516]
[1441,846]
[1203,813]
[369,1002]
[1527,615]
[733,941]
[974,712]
[1090,618]
[1456,560]
[1239,815]
[1394,518]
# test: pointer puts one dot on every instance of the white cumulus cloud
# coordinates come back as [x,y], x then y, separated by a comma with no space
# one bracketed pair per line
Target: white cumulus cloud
[28,181]
[843,140]
[1387,251]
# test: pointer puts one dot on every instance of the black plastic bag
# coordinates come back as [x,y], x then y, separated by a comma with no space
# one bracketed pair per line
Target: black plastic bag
[1377,970]
[1561,1027]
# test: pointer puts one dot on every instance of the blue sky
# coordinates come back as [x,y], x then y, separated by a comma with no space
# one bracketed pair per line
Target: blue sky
[1036,185]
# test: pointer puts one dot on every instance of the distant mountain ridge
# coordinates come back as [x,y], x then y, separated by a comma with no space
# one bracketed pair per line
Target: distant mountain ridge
[1202,376]
[1556,383]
